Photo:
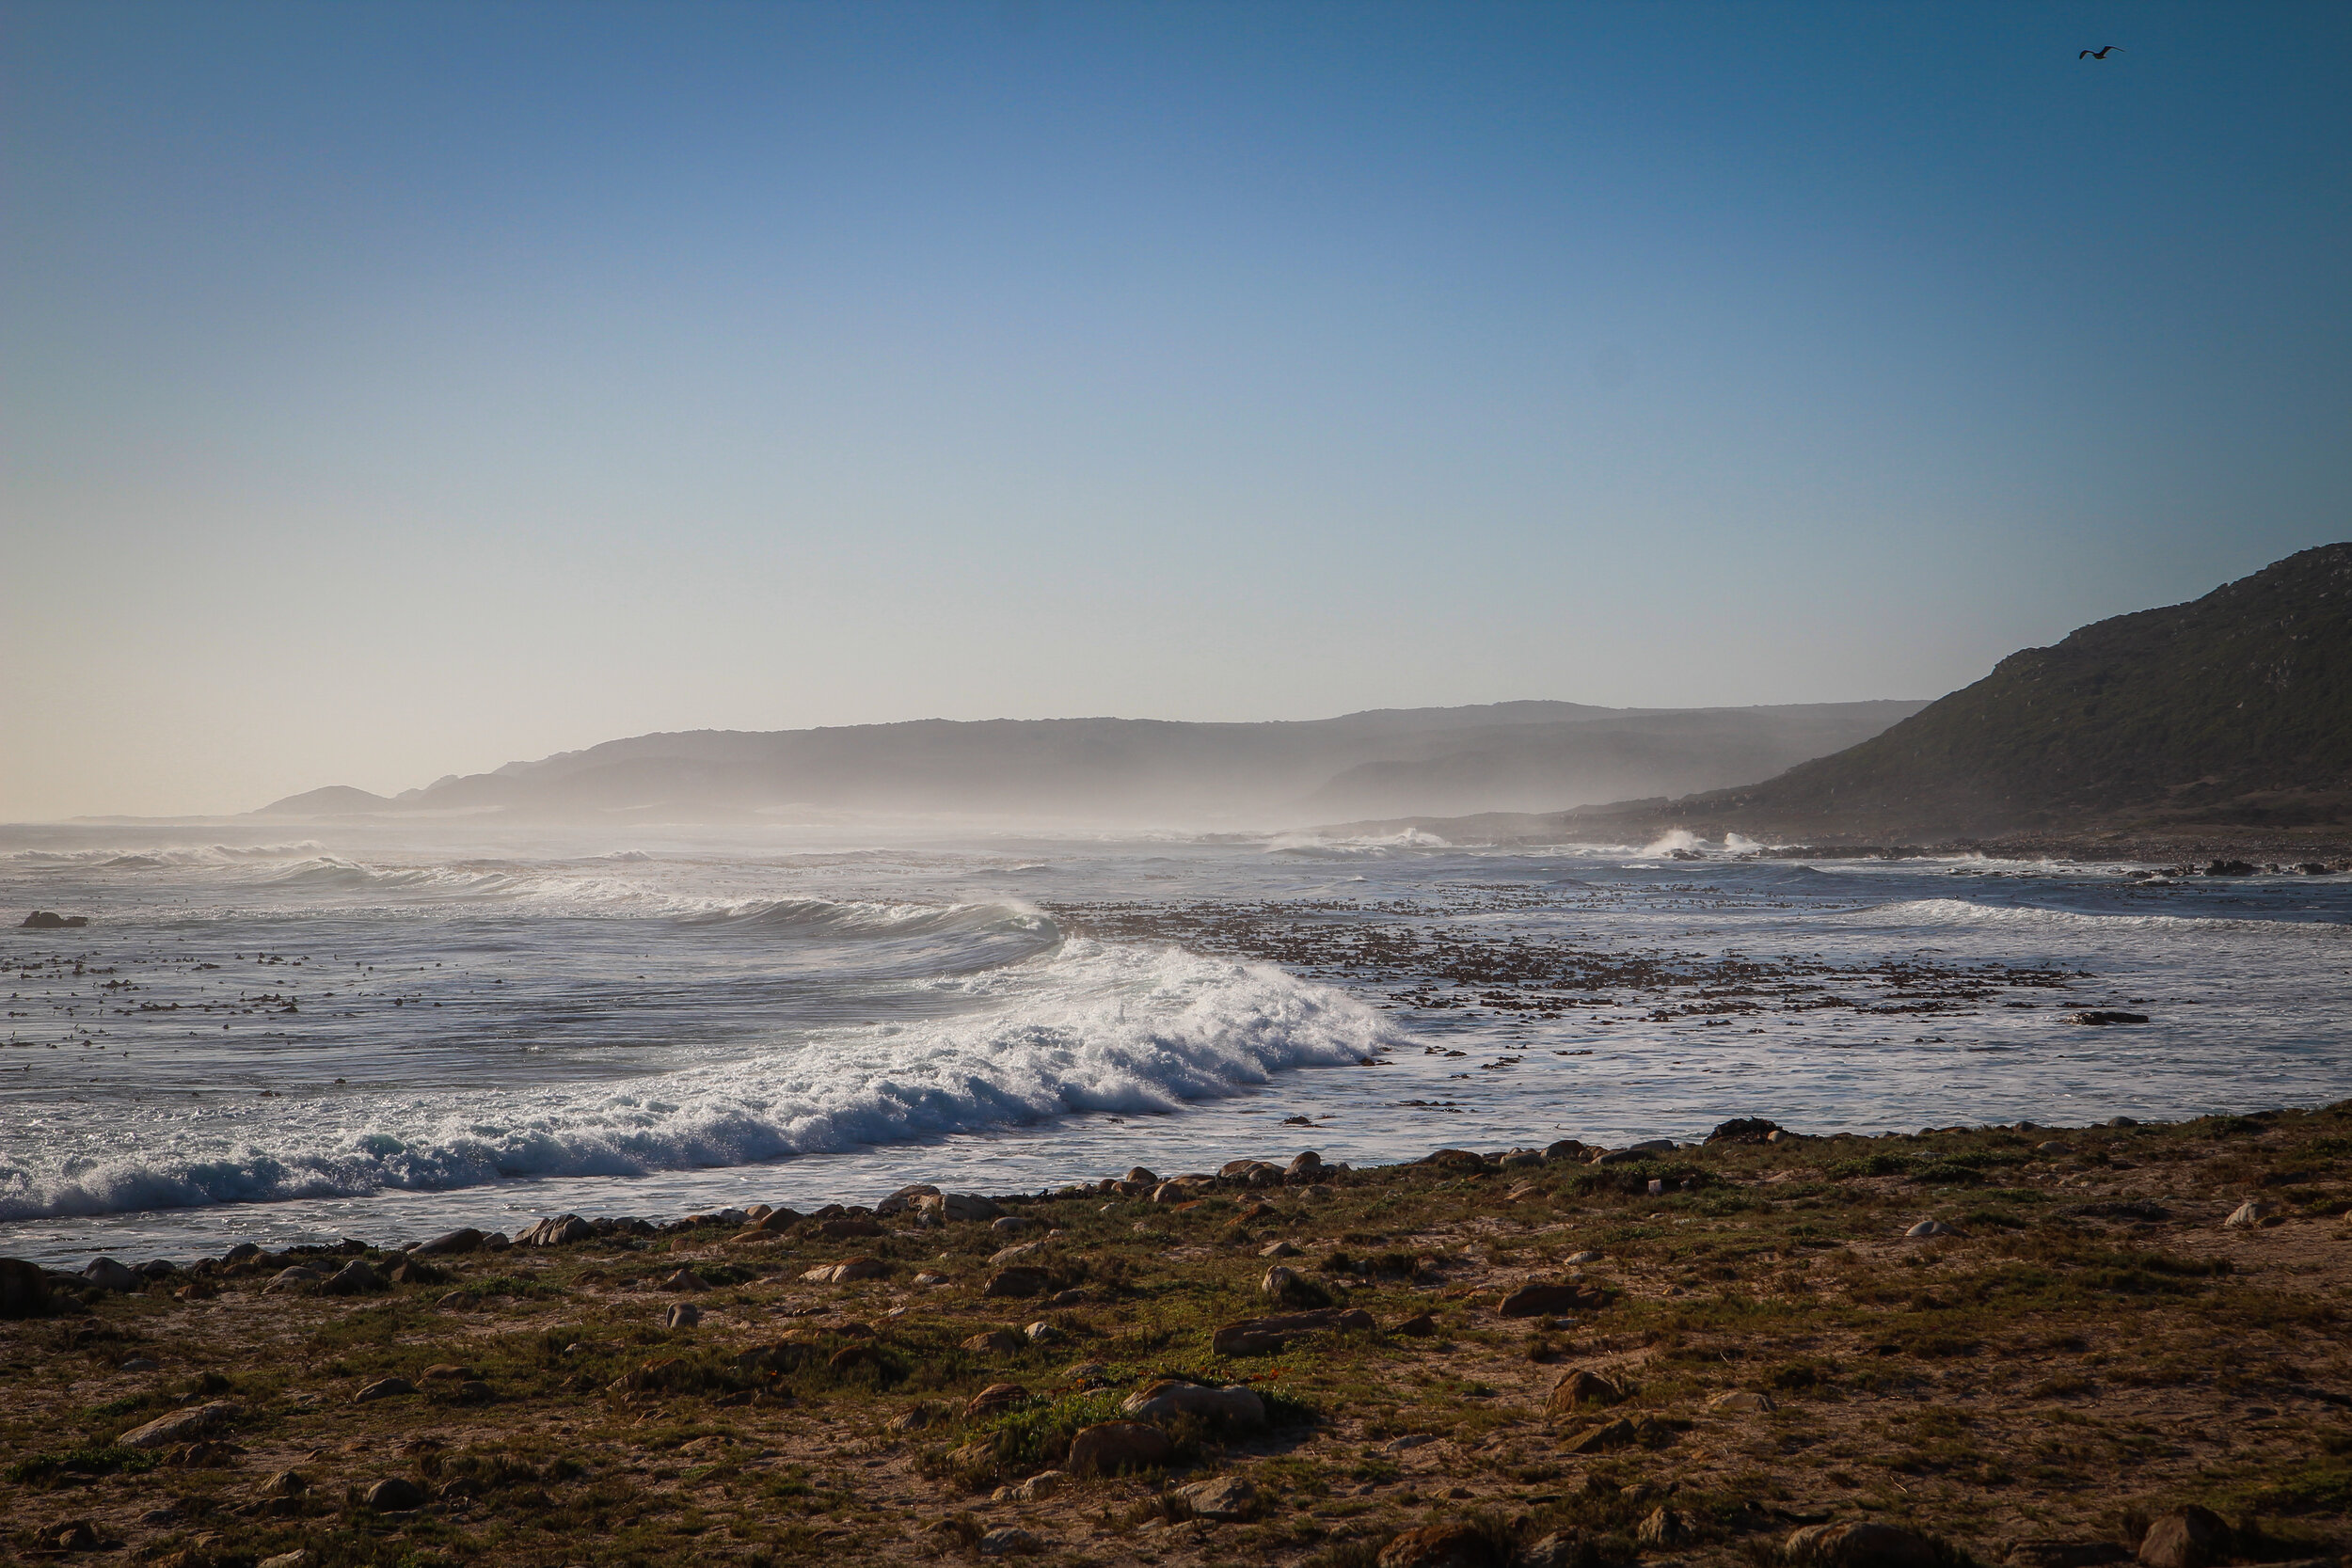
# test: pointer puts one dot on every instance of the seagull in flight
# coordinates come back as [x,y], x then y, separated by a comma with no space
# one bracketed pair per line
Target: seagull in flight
[2095,54]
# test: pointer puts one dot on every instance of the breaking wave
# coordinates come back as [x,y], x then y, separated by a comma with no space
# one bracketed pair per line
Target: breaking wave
[1094,1027]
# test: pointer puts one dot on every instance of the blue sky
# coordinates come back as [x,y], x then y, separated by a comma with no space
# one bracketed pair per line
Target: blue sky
[390,390]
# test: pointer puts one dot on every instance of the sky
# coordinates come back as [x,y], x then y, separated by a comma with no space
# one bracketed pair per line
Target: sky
[393,390]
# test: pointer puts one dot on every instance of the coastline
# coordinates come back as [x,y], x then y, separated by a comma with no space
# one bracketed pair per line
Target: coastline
[2104,1332]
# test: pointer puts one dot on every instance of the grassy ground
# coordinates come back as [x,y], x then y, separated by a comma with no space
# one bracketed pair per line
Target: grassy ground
[2094,1348]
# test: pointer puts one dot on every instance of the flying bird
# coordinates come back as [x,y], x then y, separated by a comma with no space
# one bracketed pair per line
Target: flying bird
[2095,54]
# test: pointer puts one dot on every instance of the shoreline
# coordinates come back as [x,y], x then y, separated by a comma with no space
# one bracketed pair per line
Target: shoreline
[2098,1327]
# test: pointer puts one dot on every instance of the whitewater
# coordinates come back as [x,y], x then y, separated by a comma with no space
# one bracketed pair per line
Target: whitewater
[355,1034]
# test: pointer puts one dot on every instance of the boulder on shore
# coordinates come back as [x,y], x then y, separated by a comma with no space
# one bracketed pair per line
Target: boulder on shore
[1265,1336]
[23,1289]
[181,1426]
[1535,1301]
[1112,1447]
[2192,1537]
[1168,1399]
[1580,1386]
[1439,1546]
[1862,1545]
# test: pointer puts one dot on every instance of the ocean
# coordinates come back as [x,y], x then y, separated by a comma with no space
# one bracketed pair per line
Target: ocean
[385,1038]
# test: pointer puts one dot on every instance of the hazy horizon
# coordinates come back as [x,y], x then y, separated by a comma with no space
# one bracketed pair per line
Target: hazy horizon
[395,390]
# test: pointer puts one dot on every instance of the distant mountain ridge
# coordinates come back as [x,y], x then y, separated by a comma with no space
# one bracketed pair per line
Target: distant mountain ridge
[2232,711]
[1530,755]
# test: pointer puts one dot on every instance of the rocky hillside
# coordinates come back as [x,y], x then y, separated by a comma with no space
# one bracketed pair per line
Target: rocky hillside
[2232,711]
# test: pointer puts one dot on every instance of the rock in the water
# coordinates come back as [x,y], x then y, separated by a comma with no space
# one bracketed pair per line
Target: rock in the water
[2192,1537]
[1602,1439]
[1166,1399]
[383,1388]
[1536,1301]
[1928,1230]
[681,1314]
[394,1495]
[1018,1283]
[451,1243]
[1863,1545]
[994,1400]
[50,920]
[1741,1402]
[181,1426]
[1010,1541]
[1439,1546]
[1580,1386]
[2250,1215]
[1265,1336]
[1219,1498]
[2096,1016]
[23,1289]
[1112,1447]
[107,1274]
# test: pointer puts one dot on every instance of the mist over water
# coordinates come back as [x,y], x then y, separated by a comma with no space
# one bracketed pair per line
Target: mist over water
[357,1034]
